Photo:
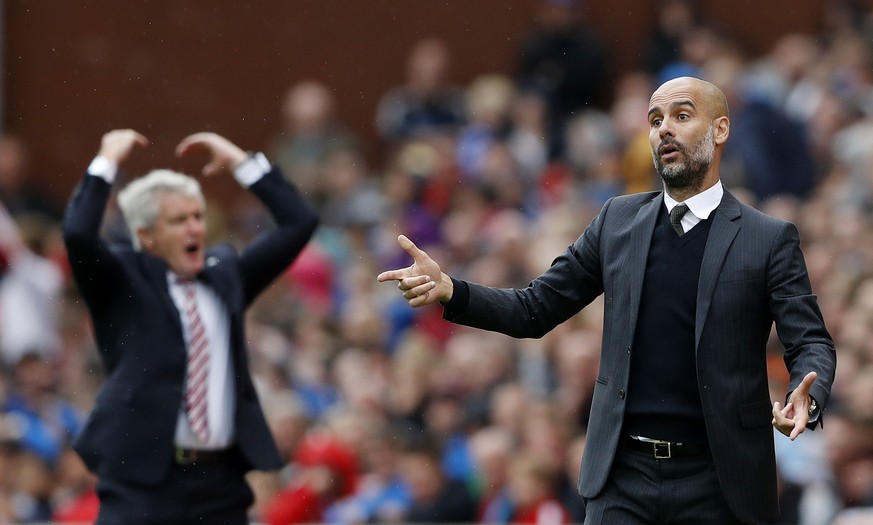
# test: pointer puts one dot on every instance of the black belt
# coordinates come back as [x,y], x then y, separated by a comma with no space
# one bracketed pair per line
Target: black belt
[665,449]
[190,456]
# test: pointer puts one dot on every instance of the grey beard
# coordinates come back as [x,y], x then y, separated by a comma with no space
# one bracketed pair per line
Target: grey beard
[691,172]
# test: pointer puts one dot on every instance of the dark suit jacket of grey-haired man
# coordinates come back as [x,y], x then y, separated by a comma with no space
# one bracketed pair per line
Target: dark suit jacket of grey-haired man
[680,426]
[140,440]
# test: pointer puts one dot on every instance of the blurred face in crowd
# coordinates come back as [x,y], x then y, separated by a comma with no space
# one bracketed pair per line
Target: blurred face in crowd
[178,235]
[687,121]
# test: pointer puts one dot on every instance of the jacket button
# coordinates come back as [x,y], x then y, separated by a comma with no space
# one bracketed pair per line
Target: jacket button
[621,394]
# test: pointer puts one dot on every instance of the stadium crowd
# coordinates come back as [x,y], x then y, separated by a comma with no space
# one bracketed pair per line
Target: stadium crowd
[388,414]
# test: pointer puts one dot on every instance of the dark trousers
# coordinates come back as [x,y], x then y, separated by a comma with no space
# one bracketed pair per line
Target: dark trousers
[205,494]
[642,490]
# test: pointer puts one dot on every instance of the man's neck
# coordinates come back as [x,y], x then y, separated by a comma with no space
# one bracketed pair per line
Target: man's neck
[683,194]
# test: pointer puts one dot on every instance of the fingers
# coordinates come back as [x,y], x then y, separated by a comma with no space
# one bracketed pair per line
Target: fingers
[807,382]
[117,144]
[799,426]
[224,154]
[409,247]
[787,421]
[195,142]
[416,288]
[780,417]
[413,286]
[392,275]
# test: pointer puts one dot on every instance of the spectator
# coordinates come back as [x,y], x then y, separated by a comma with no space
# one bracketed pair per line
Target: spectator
[381,495]
[664,46]
[489,99]
[435,499]
[17,191]
[46,422]
[30,289]
[531,483]
[326,471]
[565,61]
[310,133]
[492,449]
[75,498]
[426,103]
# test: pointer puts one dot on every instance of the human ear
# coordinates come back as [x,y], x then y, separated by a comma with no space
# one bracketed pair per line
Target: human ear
[722,129]
[146,240]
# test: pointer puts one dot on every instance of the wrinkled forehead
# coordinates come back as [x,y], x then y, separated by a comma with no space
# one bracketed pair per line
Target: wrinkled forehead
[676,92]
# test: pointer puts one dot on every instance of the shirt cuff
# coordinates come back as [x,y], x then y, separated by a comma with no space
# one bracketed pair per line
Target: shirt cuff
[252,169]
[104,168]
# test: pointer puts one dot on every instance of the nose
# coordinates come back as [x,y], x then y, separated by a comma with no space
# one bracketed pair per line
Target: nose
[196,224]
[665,130]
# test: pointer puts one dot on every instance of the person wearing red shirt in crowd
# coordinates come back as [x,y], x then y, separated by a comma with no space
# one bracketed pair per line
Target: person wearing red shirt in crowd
[532,483]
[328,470]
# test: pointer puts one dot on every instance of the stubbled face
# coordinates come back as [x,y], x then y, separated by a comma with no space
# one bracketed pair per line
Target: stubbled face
[681,135]
[178,235]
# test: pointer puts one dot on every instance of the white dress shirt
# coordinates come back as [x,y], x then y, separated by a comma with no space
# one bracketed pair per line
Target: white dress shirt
[700,206]
[220,391]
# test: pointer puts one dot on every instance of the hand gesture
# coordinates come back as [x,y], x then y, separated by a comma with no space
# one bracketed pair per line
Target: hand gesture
[792,419]
[117,144]
[422,283]
[224,155]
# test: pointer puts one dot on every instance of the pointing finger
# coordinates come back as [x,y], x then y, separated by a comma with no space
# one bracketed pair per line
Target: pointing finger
[392,275]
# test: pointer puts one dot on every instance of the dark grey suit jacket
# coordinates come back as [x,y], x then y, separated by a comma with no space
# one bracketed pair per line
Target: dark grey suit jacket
[129,434]
[752,274]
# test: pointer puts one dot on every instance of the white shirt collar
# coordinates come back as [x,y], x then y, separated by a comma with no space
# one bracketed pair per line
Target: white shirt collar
[702,204]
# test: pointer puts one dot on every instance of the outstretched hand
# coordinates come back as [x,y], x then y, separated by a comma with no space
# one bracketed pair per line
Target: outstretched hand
[792,419]
[423,282]
[224,154]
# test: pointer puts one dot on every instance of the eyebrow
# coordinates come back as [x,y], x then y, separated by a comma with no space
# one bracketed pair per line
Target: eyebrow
[674,105]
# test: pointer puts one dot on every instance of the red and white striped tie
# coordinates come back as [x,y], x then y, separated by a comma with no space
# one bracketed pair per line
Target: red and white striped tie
[196,401]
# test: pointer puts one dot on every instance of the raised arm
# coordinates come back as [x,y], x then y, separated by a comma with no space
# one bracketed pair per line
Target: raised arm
[270,254]
[94,267]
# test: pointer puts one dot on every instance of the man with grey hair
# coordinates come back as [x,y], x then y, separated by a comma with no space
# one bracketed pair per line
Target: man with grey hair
[177,423]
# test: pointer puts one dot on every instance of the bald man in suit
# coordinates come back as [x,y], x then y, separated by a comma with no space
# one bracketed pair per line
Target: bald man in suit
[693,280]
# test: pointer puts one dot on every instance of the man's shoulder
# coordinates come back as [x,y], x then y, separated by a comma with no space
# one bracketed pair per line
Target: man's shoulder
[753,216]
[631,201]
[636,198]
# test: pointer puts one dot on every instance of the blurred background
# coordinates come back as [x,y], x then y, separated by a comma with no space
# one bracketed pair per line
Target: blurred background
[489,132]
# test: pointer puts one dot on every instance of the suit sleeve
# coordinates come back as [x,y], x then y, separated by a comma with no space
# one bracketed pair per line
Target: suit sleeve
[799,321]
[573,280]
[270,254]
[96,270]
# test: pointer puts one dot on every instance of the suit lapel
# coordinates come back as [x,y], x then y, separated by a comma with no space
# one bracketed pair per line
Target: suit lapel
[721,234]
[641,238]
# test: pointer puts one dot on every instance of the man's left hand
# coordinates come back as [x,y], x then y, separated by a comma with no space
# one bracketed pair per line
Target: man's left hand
[792,419]
[224,155]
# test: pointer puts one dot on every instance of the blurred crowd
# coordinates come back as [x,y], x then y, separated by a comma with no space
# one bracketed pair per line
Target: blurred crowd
[386,414]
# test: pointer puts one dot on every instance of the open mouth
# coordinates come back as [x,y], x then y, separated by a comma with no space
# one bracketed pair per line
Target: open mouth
[669,151]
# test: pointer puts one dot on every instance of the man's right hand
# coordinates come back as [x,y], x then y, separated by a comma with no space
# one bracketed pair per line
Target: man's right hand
[117,144]
[422,283]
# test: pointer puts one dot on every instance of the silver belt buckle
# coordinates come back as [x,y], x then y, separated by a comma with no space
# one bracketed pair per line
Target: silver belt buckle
[662,449]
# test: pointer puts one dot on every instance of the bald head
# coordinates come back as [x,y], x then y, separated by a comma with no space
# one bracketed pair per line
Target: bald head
[712,98]
[688,126]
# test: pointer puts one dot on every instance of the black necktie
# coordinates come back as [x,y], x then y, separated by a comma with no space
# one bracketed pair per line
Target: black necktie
[676,215]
